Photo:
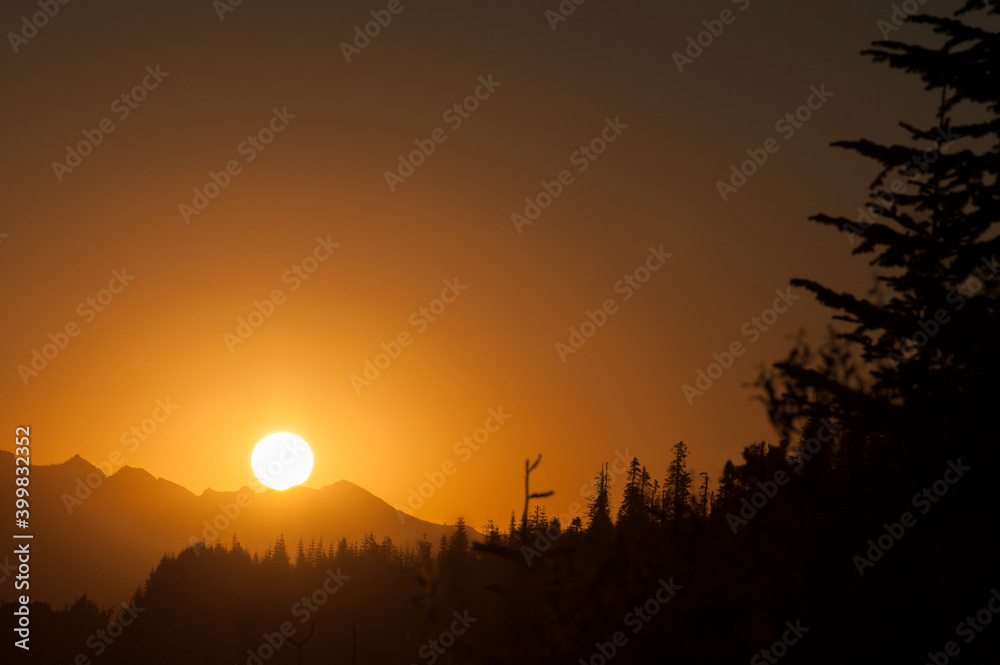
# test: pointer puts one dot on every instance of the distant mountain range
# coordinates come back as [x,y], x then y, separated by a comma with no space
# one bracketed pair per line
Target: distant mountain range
[104,540]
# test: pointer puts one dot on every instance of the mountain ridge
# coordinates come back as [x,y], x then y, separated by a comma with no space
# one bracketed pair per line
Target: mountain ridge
[101,535]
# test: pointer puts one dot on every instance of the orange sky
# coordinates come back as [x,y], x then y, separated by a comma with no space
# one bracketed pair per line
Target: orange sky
[323,177]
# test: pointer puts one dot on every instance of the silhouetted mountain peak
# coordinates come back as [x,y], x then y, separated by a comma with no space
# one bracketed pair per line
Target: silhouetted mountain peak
[132,518]
[346,487]
[78,466]
[133,473]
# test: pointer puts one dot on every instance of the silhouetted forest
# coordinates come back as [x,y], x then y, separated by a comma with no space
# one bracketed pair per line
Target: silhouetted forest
[867,533]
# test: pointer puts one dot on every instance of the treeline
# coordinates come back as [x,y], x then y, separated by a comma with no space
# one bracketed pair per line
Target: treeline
[774,541]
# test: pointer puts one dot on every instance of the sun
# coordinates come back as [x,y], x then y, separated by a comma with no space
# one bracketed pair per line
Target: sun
[282,460]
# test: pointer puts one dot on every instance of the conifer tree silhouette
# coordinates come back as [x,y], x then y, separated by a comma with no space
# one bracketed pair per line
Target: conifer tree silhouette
[599,506]
[529,495]
[677,487]
[916,355]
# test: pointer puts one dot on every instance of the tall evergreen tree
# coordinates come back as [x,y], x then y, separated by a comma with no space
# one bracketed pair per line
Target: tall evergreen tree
[369,546]
[512,537]
[424,555]
[633,507]
[459,543]
[388,550]
[279,554]
[599,506]
[301,561]
[318,555]
[677,487]
[728,491]
[915,358]
[704,496]
[442,553]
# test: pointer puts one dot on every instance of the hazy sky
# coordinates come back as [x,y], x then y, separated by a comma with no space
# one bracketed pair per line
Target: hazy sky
[598,100]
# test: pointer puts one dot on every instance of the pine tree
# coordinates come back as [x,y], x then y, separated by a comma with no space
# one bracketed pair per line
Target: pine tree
[458,546]
[914,361]
[529,466]
[442,553]
[493,537]
[633,507]
[369,546]
[647,488]
[575,526]
[677,487]
[512,537]
[599,506]
[301,562]
[425,556]
[728,492]
[317,557]
[387,550]
[279,554]
[704,496]
[342,554]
